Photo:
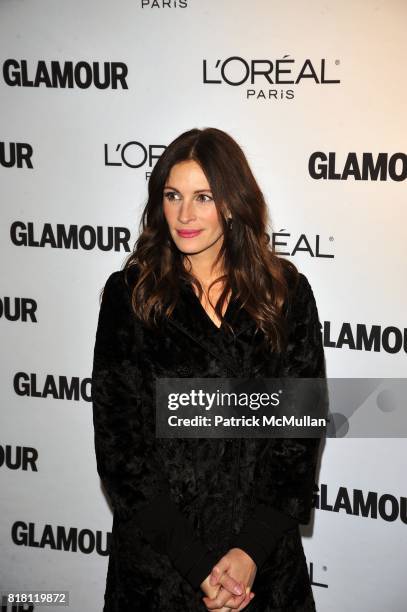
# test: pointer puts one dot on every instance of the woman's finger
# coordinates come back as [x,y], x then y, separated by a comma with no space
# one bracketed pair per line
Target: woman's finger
[249,597]
[231,585]
[222,598]
[215,604]
[217,571]
[246,601]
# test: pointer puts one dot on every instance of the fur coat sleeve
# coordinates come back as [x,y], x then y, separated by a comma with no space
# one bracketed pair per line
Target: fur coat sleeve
[128,466]
[285,482]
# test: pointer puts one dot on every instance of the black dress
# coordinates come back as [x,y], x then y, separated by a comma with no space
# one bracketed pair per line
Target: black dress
[180,504]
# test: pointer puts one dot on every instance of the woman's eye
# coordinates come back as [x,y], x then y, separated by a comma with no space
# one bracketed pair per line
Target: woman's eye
[204,195]
[169,195]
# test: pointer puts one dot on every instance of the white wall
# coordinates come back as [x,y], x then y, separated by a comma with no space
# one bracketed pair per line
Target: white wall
[360,224]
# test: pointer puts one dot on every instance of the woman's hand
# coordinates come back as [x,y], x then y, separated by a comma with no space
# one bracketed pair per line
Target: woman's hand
[239,567]
[212,593]
[230,584]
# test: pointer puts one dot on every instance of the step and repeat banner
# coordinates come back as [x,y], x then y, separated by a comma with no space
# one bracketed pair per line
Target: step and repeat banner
[91,94]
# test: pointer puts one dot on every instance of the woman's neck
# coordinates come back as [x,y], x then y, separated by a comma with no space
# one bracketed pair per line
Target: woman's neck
[203,270]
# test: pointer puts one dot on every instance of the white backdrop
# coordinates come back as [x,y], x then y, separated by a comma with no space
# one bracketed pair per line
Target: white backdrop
[81,156]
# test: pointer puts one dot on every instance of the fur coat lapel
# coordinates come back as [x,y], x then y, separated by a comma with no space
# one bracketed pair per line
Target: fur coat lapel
[190,317]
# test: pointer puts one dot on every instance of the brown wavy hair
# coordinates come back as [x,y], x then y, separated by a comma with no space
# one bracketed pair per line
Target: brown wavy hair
[253,272]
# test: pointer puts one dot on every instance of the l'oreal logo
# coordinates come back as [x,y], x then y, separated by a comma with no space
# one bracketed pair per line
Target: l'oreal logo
[237,71]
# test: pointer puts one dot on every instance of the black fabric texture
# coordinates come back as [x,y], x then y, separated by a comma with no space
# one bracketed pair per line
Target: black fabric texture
[180,504]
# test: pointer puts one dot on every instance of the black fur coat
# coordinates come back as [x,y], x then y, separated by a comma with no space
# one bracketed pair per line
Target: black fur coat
[180,504]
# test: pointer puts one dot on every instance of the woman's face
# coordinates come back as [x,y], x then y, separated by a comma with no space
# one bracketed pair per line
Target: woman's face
[190,210]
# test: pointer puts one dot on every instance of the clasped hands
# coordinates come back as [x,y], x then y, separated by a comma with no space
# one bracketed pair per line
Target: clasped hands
[228,586]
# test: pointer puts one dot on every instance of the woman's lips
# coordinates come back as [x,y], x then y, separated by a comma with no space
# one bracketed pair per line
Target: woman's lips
[188,233]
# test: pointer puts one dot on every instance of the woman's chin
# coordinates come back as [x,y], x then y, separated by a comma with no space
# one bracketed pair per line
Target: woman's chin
[190,246]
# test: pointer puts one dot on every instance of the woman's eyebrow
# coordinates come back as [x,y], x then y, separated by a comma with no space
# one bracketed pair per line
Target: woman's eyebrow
[196,191]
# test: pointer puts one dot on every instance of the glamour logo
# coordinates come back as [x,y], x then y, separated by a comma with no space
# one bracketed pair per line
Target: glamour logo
[236,71]
[364,167]
[18,457]
[390,339]
[55,387]
[133,154]
[15,154]
[85,237]
[65,75]
[285,244]
[18,309]
[371,505]
[61,538]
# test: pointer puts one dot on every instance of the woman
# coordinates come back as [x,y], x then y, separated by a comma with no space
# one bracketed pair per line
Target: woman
[203,523]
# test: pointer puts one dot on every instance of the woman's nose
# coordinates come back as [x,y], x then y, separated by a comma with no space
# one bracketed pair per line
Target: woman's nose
[186,211]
